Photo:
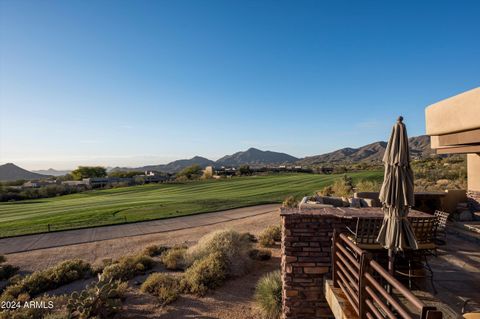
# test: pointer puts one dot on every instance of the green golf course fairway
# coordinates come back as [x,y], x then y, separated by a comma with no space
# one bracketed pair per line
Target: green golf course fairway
[155,201]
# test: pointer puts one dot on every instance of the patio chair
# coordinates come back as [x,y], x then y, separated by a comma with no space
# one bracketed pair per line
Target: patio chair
[366,233]
[441,219]
[424,230]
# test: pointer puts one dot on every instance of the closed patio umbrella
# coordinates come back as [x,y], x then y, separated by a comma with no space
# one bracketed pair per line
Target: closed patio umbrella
[397,195]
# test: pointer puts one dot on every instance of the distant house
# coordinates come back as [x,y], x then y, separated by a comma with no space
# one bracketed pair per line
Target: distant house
[37,184]
[75,183]
[208,171]
[151,177]
[96,182]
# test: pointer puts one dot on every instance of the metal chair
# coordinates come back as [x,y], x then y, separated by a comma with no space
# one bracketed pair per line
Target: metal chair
[424,230]
[366,233]
[441,219]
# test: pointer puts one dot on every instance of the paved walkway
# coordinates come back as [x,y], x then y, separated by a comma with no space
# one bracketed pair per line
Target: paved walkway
[71,237]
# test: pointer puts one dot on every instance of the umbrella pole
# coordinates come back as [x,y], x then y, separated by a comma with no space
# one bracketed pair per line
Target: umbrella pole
[391,267]
[391,261]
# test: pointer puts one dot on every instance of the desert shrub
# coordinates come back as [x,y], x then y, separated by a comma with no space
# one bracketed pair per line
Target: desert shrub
[15,279]
[128,267]
[6,271]
[343,187]
[50,278]
[270,235]
[100,299]
[191,172]
[368,186]
[250,237]
[165,287]
[231,245]
[208,272]
[98,269]
[39,312]
[268,295]
[260,254]
[326,191]
[290,202]
[154,250]
[174,258]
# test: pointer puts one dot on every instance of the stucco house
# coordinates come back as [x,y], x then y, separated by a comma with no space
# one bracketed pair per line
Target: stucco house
[454,127]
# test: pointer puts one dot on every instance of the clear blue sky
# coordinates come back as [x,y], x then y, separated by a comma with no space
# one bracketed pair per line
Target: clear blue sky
[145,82]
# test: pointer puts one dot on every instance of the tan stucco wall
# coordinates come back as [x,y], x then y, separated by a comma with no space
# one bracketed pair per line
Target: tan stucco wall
[455,114]
[473,171]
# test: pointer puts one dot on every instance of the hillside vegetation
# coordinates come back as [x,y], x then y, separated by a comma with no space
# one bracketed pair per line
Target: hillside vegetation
[154,201]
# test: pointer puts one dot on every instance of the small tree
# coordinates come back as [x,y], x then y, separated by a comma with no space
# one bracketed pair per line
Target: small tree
[191,172]
[244,170]
[88,172]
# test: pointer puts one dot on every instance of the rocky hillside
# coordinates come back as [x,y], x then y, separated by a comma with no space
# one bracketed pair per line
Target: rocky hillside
[419,147]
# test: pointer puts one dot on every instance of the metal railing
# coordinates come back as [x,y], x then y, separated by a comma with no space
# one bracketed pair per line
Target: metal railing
[370,289]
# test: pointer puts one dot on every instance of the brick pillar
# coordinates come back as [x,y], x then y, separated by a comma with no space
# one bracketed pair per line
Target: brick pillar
[306,261]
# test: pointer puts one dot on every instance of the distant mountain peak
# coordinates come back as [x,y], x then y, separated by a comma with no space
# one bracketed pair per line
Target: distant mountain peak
[254,156]
[12,172]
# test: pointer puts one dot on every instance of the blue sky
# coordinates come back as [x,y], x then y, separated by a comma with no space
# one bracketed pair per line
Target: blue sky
[145,82]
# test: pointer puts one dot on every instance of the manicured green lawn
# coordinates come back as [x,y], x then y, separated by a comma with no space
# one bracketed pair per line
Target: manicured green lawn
[155,201]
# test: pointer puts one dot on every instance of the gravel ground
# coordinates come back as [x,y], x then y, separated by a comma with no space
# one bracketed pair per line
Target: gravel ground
[233,300]
[95,252]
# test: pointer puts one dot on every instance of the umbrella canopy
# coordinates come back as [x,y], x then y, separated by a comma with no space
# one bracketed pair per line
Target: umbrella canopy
[396,194]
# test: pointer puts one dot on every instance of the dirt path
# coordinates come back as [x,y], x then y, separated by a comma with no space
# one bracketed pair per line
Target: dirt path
[95,252]
[87,235]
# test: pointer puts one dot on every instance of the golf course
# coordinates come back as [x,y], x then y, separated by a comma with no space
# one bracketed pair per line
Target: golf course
[156,201]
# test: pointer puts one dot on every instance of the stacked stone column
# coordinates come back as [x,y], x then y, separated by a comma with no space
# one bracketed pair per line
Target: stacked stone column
[306,262]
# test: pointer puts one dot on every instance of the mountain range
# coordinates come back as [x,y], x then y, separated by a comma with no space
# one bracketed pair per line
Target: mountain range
[419,148]
[372,153]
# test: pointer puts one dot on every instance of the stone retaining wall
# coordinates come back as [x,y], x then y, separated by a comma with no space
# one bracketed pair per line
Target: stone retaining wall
[306,262]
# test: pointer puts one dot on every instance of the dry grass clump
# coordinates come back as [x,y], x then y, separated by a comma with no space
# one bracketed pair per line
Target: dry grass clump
[6,271]
[343,187]
[208,272]
[268,295]
[174,258]
[368,186]
[154,250]
[230,245]
[44,280]
[290,202]
[270,236]
[260,254]
[128,267]
[165,287]
[250,237]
